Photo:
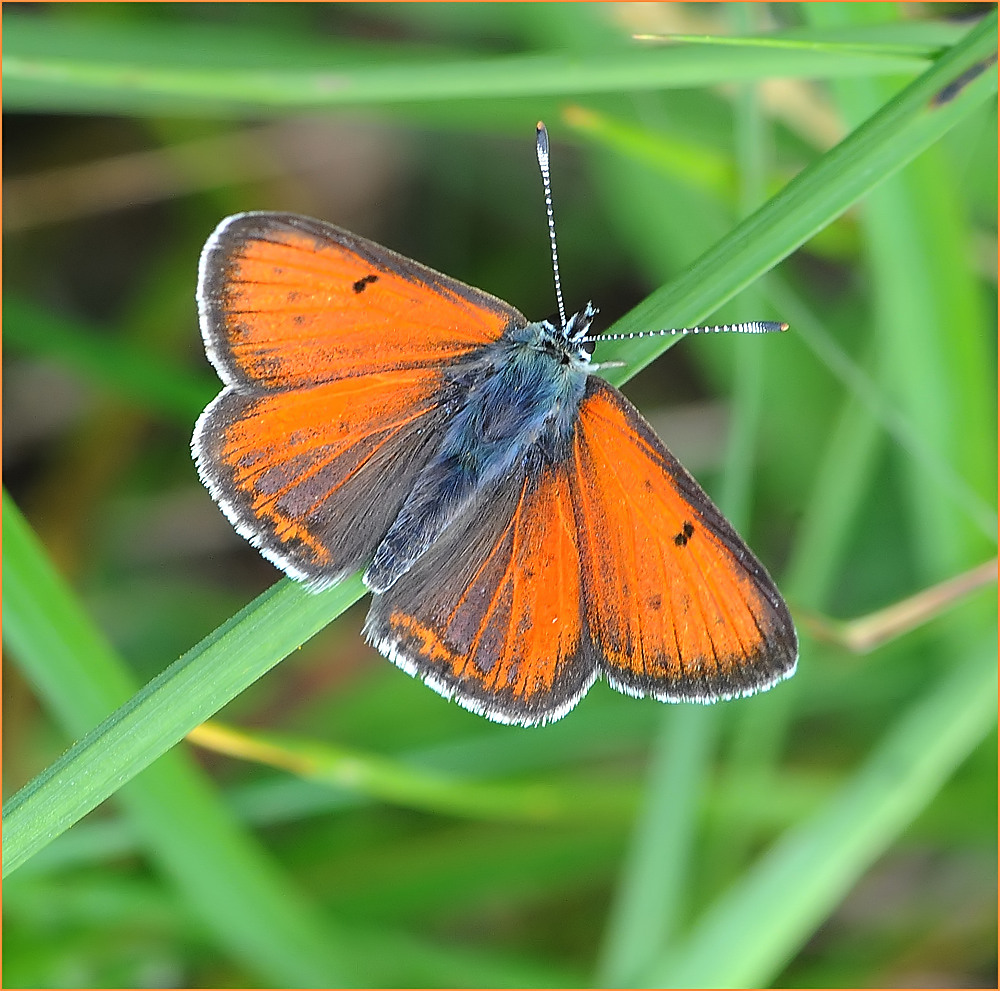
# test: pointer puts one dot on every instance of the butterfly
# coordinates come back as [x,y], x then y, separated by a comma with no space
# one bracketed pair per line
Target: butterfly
[522,528]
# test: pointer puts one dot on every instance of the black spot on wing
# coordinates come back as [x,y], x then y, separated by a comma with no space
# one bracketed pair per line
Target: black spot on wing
[686,533]
[362,284]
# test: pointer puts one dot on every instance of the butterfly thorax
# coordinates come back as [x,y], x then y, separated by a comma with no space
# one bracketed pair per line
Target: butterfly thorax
[515,399]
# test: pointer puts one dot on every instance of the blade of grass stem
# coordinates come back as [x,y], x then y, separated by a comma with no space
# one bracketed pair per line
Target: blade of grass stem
[240,896]
[906,125]
[36,81]
[410,786]
[158,716]
[649,901]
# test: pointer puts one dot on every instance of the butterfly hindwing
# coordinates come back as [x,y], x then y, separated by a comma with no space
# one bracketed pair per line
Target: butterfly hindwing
[490,615]
[610,560]
[676,604]
[314,477]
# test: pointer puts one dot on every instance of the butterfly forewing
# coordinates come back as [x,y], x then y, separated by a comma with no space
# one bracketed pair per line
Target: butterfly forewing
[287,301]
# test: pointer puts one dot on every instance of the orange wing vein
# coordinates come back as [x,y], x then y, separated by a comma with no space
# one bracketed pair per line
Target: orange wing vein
[314,477]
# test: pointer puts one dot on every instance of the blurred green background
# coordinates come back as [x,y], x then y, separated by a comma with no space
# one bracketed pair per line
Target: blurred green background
[838,831]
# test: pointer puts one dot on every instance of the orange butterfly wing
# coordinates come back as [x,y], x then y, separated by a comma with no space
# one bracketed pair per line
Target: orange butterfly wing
[314,477]
[491,614]
[287,301]
[334,352]
[676,604]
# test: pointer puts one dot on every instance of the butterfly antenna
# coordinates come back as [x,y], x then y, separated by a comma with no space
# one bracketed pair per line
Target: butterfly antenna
[752,327]
[542,149]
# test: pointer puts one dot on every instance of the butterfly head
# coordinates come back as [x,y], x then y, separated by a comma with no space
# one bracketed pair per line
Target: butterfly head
[569,343]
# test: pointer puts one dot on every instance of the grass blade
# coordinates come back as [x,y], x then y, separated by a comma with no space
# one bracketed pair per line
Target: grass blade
[70,663]
[66,76]
[649,903]
[239,895]
[904,127]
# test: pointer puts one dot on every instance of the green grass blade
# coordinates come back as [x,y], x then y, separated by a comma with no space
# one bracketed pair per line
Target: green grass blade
[650,900]
[880,411]
[404,783]
[777,43]
[38,79]
[894,136]
[70,663]
[749,934]
[239,895]
[916,229]
[57,646]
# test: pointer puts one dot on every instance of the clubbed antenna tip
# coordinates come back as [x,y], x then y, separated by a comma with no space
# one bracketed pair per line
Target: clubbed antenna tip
[542,150]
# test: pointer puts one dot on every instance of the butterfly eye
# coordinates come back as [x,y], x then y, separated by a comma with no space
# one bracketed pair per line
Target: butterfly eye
[577,326]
